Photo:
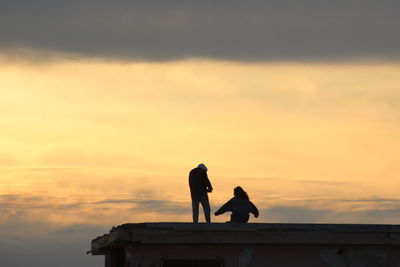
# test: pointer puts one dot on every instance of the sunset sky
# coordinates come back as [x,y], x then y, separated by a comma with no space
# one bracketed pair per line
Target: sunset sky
[105,108]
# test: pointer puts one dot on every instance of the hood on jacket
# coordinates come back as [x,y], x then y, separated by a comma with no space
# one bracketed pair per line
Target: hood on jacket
[202,166]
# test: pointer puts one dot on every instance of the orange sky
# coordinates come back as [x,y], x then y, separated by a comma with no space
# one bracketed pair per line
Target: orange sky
[106,106]
[104,143]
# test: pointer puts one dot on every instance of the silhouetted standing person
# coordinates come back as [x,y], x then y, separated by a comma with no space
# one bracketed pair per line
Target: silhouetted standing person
[199,187]
[240,205]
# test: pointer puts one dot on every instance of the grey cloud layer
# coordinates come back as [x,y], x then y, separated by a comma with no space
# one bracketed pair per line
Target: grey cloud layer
[23,203]
[234,30]
[65,247]
[296,214]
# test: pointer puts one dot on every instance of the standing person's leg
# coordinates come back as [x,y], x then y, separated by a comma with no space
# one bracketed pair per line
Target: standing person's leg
[195,209]
[206,207]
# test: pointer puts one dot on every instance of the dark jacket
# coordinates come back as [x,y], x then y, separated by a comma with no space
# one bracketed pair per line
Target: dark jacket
[240,209]
[199,183]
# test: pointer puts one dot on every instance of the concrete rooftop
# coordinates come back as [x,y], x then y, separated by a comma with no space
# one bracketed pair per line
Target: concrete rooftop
[250,233]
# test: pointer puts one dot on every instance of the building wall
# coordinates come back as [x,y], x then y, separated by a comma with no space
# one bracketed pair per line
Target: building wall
[151,255]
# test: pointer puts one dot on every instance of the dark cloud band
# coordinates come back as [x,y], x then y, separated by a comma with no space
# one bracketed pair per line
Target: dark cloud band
[233,30]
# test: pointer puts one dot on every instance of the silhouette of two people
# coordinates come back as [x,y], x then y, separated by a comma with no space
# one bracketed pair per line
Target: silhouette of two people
[200,186]
[240,205]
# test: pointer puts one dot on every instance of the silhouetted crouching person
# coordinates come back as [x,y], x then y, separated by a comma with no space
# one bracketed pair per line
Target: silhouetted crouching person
[199,187]
[240,206]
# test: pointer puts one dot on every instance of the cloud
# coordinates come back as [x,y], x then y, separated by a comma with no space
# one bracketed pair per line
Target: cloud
[329,182]
[158,206]
[142,205]
[322,182]
[372,200]
[294,214]
[79,231]
[41,241]
[382,215]
[234,30]
[54,211]
[67,246]
[304,214]
[163,206]
[64,247]
[56,231]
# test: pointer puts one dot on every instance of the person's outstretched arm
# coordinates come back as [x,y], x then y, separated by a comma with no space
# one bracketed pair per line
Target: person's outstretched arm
[226,207]
[254,209]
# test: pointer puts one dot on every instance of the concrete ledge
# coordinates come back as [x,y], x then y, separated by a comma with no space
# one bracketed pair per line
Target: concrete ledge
[251,233]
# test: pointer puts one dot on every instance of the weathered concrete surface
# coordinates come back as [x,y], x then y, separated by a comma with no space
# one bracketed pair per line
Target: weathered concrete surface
[239,245]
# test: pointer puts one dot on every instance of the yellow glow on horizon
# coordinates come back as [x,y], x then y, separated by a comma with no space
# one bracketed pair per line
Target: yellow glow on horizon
[81,132]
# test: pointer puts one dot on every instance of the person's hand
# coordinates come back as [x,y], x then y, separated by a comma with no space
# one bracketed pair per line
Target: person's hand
[215,214]
[256,215]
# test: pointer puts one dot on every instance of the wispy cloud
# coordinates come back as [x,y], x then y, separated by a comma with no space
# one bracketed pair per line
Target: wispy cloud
[295,214]
[304,214]
[53,211]
[324,182]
